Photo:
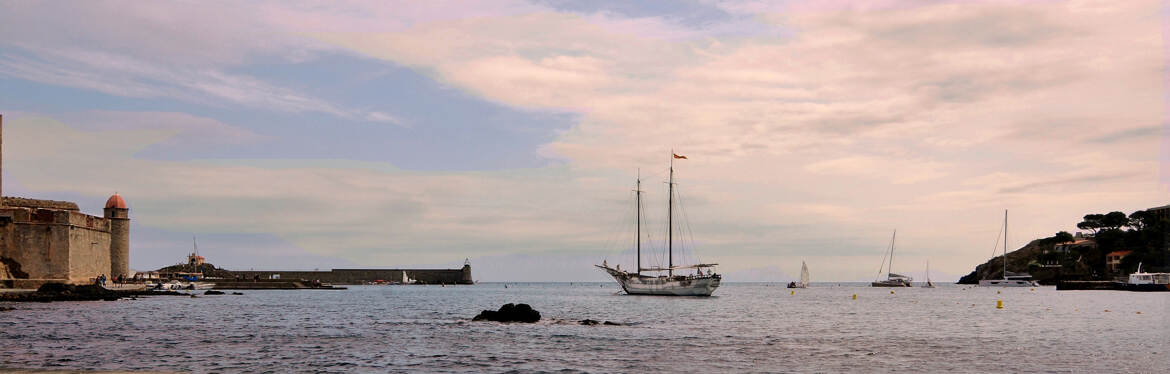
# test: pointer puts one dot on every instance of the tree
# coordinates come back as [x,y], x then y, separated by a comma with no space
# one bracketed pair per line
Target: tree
[1092,223]
[1140,220]
[1062,237]
[1114,221]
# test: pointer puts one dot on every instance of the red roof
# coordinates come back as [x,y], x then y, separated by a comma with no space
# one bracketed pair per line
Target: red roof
[116,202]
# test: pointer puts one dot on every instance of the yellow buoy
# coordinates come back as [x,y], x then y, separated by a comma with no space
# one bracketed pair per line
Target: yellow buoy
[854,296]
[997,292]
[999,304]
[1106,310]
[792,292]
[1033,289]
[891,292]
[1139,312]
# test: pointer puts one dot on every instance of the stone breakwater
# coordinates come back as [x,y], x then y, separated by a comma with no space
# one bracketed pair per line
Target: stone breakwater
[66,292]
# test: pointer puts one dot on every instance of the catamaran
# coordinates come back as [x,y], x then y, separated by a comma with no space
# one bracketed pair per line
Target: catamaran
[699,283]
[892,280]
[803,277]
[1009,279]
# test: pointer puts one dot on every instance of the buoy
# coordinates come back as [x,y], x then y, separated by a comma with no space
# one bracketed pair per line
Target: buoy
[997,292]
[792,292]
[1033,289]
[891,292]
[999,304]
[1106,310]
[854,296]
[1139,312]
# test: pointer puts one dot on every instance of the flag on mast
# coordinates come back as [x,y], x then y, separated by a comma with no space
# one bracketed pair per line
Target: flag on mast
[676,155]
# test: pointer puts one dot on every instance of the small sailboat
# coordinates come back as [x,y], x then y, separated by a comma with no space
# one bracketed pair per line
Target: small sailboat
[803,277]
[698,284]
[928,284]
[1009,279]
[892,280]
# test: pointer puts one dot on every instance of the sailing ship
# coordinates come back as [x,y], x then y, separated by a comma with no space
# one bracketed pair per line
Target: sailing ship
[928,284]
[1009,279]
[803,277]
[700,283]
[892,279]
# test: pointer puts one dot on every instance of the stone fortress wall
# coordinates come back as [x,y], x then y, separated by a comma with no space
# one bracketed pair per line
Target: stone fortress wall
[363,276]
[53,241]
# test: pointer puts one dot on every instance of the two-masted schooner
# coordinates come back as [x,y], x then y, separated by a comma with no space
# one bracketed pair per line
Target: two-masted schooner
[700,279]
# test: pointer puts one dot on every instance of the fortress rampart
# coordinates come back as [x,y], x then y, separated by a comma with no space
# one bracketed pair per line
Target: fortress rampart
[53,241]
[363,276]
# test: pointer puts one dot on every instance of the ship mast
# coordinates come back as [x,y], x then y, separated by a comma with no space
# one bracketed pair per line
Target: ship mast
[638,193]
[890,269]
[670,219]
[1005,244]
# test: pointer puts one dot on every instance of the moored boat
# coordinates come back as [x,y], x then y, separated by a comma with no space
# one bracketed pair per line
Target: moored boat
[892,279]
[1009,279]
[1143,281]
[928,283]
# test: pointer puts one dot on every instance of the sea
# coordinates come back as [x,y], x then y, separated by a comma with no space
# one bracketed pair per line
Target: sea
[744,327]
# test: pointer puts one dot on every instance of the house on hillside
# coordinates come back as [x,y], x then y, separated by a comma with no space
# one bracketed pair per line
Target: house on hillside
[1113,260]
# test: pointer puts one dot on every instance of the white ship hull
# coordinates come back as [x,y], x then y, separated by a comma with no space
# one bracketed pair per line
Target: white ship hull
[691,285]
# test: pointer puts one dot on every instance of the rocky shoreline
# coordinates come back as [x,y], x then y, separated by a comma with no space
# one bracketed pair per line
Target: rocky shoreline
[50,292]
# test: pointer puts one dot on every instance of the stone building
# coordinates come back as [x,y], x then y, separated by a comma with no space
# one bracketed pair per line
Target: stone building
[53,241]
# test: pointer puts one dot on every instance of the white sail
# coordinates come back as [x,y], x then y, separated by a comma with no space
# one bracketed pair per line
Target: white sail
[803,274]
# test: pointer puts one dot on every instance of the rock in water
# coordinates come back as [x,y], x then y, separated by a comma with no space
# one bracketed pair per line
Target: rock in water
[589,322]
[212,292]
[510,313]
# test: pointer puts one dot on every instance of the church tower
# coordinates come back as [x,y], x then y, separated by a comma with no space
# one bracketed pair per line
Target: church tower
[119,215]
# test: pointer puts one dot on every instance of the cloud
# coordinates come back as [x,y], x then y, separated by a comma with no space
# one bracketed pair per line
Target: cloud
[816,135]
[160,51]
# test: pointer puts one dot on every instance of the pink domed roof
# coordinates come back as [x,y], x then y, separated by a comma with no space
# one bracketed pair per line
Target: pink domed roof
[116,202]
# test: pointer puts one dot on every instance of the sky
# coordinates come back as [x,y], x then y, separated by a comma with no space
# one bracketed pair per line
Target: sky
[317,135]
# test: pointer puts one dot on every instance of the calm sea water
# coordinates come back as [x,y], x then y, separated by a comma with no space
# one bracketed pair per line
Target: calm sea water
[744,328]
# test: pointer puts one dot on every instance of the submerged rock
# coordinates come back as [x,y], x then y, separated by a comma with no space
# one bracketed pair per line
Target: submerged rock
[237,293]
[510,313]
[590,322]
[212,292]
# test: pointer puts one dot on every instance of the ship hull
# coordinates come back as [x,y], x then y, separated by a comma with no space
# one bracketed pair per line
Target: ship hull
[635,284]
[1006,283]
[891,283]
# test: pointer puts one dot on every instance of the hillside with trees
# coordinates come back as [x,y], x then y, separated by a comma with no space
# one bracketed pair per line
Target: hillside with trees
[1143,234]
